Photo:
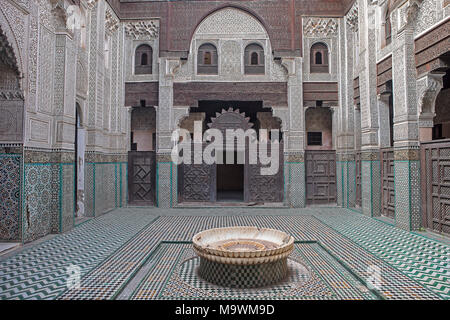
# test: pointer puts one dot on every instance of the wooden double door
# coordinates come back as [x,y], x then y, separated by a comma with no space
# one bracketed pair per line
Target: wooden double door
[320,177]
[435,178]
[205,182]
[141,177]
[387,183]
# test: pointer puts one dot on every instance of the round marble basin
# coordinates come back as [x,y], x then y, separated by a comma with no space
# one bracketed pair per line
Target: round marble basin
[243,257]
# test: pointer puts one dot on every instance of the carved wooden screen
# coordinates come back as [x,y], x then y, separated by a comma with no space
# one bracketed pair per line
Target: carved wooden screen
[358,179]
[435,170]
[197,182]
[265,188]
[141,177]
[387,183]
[320,177]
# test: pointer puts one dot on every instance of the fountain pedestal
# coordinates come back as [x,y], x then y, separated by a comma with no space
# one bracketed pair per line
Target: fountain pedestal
[243,257]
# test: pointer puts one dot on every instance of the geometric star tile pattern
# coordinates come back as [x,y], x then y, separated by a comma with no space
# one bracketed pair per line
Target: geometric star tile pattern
[112,248]
[40,272]
[424,260]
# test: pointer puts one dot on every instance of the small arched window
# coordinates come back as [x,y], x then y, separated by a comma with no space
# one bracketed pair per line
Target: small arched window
[254,59]
[388,28]
[207,59]
[143,60]
[319,58]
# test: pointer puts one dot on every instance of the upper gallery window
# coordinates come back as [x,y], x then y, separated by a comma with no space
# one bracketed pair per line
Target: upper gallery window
[207,59]
[319,58]
[388,28]
[254,59]
[143,60]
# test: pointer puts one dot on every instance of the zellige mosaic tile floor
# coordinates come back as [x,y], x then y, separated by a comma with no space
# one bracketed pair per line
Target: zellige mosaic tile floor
[339,248]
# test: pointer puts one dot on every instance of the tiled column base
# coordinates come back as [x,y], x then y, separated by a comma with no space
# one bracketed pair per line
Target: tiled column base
[345,180]
[371,184]
[295,184]
[106,183]
[164,181]
[10,196]
[340,183]
[351,184]
[243,276]
[407,190]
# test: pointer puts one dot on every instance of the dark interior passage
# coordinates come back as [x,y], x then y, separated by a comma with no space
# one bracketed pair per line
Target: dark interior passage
[230,181]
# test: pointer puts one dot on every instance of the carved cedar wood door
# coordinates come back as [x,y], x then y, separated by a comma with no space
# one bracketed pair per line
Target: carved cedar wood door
[197,181]
[141,177]
[320,177]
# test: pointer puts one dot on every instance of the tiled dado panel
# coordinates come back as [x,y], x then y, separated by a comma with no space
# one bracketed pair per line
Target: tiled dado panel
[295,183]
[124,184]
[346,183]
[67,196]
[40,199]
[48,199]
[10,177]
[407,195]
[106,187]
[371,187]
[340,183]
[351,184]
[164,181]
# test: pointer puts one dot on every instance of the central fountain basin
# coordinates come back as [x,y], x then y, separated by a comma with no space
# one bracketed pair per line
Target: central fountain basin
[243,257]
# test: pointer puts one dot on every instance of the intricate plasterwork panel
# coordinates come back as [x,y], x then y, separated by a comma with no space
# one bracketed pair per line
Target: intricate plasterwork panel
[91,4]
[352,17]
[428,88]
[427,15]
[111,22]
[230,21]
[320,27]
[82,79]
[46,64]
[231,58]
[142,30]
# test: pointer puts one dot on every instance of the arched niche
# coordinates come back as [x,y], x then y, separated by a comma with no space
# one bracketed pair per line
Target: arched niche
[319,128]
[11,95]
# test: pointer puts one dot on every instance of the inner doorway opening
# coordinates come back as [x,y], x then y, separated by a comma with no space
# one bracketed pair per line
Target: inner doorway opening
[230,179]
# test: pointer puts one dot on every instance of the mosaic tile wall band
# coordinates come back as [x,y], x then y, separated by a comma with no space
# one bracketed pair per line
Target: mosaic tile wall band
[10,180]
[106,187]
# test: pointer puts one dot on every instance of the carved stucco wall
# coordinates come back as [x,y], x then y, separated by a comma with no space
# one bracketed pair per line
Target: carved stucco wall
[138,33]
[321,30]
[230,30]
[58,71]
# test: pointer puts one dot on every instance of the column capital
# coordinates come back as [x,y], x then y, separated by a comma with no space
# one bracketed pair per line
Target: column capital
[408,13]
[428,87]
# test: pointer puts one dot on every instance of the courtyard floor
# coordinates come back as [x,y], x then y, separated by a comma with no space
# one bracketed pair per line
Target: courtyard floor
[145,253]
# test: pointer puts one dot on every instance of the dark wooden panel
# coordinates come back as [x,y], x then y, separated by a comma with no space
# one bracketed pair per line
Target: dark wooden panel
[356,93]
[435,176]
[271,93]
[358,167]
[431,49]
[197,182]
[265,188]
[387,183]
[141,177]
[323,91]
[384,75]
[320,177]
[137,91]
